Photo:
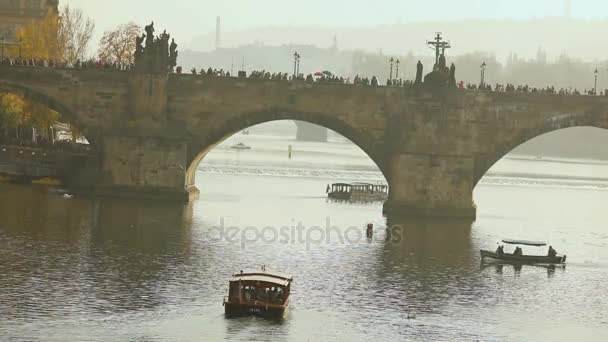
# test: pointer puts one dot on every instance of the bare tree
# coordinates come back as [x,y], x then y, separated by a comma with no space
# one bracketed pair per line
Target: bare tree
[118,45]
[75,33]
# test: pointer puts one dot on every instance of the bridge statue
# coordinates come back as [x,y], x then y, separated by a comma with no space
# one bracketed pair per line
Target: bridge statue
[139,48]
[441,74]
[419,70]
[157,57]
[149,34]
[172,54]
[452,81]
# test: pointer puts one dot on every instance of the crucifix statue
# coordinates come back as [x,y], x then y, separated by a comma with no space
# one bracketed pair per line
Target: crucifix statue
[439,46]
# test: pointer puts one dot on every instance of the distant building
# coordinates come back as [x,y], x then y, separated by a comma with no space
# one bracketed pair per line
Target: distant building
[217,33]
[17,13]
[541,56]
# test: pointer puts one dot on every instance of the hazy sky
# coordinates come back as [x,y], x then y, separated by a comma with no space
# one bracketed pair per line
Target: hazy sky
[188,18]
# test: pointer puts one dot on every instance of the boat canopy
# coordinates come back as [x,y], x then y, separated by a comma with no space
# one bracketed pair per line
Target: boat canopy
[267,277]
[524,242]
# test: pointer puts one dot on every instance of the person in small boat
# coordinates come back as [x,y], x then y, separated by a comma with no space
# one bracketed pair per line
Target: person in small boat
[518,251]
[369,232]
[552,252]
[500,250]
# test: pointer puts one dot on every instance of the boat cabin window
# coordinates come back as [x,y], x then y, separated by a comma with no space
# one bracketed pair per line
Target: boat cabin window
[267,294]
[234,292]
[340,188]
[275,295]
[250,293]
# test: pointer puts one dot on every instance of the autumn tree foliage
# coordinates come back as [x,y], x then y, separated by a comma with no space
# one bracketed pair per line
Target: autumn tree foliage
[61,37]
[18,115]
[118,45]
[40,39]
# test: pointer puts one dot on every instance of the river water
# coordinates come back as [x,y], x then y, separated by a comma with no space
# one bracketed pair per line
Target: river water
[80,269]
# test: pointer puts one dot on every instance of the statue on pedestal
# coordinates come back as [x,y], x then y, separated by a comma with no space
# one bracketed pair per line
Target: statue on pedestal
[149,34]
[172,54]
[157,57]
[139,47]
[419,69]
[441,74]
[452,82]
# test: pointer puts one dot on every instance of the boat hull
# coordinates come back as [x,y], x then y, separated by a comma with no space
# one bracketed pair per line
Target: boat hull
[339,195]
[357,197]
[523,259]
[260,310]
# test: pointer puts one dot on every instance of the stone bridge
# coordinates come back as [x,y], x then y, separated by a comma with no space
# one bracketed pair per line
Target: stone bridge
[433,145]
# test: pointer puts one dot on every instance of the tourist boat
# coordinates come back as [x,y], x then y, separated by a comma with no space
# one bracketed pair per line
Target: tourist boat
[358,191]
[523,259]
[259,293]
[240,146]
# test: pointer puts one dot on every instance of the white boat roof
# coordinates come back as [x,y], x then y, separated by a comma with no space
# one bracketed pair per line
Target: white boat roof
[360,183]
[280,279]
[524,242]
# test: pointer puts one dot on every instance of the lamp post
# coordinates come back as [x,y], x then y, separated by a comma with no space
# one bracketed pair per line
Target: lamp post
[397,67]
[392,60]
[595,84]
[298,69]
[296,64]
[483,74]
[20,45]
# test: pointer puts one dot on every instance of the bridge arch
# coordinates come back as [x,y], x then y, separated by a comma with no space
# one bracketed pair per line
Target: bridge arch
[485,163]
[49,101]
[199,148]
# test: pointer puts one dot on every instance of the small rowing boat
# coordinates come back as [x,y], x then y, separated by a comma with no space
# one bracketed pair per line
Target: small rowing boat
[518,257]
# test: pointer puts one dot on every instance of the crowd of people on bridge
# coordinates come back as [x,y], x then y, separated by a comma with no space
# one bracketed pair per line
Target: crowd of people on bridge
[263,74]
[528,89]
[50,63]
[209,72]
[316,78]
